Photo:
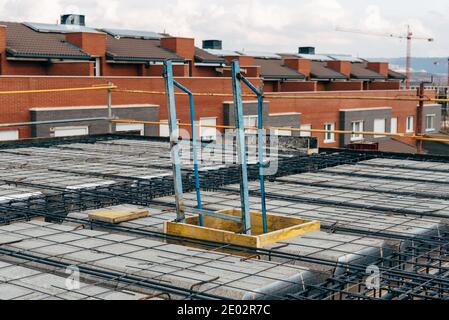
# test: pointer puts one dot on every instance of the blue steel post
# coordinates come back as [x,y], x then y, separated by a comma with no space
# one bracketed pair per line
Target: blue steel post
[260,150]
[174,140]
[194,149]
[241,146]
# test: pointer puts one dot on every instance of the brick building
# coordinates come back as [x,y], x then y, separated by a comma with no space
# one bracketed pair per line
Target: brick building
[41,56]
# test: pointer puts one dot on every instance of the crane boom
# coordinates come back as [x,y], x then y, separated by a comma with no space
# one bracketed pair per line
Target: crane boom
[409,36]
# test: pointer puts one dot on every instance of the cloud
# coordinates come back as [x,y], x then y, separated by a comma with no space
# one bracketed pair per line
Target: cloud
[266,25]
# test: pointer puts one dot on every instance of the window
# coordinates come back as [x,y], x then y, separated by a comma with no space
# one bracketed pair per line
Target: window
[164,130]
[394,125]
[71,131]
[306,133]
[9,135]
[284,133]
[357,126]
[130,128]
[430,122]
[97,67]
[380,126]
[250,121]
[329,137]
[207,133]
[410,124]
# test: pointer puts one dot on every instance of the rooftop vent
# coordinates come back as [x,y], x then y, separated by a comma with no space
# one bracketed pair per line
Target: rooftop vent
[212,44]
[306,50]
[73,19]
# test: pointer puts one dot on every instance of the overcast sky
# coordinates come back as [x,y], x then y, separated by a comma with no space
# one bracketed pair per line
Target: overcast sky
[262,25]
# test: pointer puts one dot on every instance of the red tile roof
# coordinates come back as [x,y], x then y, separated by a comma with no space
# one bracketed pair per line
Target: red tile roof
[24,42]
[274,69]
[206,57]
[132,49]
[320,71]
[360,71]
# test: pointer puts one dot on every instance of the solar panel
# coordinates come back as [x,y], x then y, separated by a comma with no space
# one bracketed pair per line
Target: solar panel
[261,55]
[315,57]
[342,57]
[58,28]
[377,60]
[124,33]
[222,53]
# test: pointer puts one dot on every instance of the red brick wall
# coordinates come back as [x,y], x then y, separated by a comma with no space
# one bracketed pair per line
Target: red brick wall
[301,65]
[343,67]
[344,85]
[14,108]
[318,112]
[22,67]
[244,60]
[205,72]
[92,43]
[71,69]
[380,85]
[379,67]
[2,38]
[298,86]
[183,47]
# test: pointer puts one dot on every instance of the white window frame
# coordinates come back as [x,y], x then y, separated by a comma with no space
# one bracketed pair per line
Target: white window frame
[14,134]
[433,117]
[361,125]
[329,137]
[85,128]
[410,124]
[204,133]
[119,127]
[384,121]
[97,67]
[394,125]
[250,121]
[305,134]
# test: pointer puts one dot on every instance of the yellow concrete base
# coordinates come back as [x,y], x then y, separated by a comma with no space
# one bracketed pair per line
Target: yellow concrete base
[118,214]
[280,228]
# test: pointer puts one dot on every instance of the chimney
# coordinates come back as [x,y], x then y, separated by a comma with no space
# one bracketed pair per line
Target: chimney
[379,67]
[306,50]
[301,65]
[2,39]
[244,60]
[73,19]
[213,44]
[183,47]
[93,43]
[344,67]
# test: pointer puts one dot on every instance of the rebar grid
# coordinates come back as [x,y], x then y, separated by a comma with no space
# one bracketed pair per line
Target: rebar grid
[418,254]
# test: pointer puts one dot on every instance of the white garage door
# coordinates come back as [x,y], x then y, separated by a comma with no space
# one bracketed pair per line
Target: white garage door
[379,126]
[9,135]
[208,133]
[71,131]
[394,125]
[130,127]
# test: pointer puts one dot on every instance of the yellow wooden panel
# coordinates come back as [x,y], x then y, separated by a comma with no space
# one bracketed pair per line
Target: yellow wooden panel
[289,233]
[117,215]
[201,233]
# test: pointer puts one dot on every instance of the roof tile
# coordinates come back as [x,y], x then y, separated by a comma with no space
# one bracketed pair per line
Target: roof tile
[22,41]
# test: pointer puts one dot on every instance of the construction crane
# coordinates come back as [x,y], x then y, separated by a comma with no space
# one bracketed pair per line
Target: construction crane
[444,63]
[409,36]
